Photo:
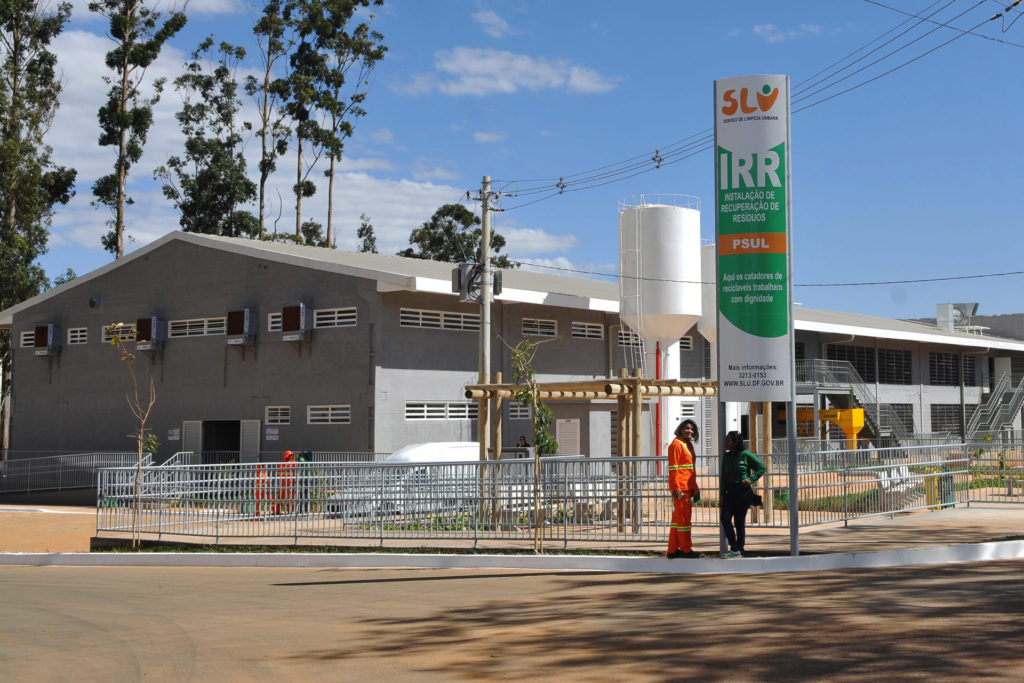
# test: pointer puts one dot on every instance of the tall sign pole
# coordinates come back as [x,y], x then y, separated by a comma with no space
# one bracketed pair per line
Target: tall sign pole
[483,412]
[754,254]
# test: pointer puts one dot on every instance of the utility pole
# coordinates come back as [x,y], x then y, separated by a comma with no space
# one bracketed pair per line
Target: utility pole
[483,409]
[485,281]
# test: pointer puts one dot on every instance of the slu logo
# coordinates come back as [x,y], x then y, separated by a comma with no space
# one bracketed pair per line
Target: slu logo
[765,101]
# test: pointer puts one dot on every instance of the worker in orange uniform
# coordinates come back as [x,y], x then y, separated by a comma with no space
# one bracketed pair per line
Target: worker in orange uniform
[682,483]
[286,477]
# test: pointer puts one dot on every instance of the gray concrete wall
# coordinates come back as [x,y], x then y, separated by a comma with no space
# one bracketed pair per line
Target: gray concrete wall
[75,401]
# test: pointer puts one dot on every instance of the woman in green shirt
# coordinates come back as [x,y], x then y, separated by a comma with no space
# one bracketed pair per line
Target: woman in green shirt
[740,469]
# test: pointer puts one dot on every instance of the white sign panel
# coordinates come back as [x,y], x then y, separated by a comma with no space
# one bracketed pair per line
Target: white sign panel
[752,162]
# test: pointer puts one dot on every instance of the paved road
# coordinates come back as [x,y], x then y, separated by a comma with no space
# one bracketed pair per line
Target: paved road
[951,622]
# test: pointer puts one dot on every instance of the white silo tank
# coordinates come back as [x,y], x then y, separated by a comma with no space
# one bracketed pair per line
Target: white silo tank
[708,323]
[659,286]
[660,265]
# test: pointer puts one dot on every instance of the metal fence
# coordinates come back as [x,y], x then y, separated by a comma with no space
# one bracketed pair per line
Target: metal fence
[569,500]
[61,472]
[231,457]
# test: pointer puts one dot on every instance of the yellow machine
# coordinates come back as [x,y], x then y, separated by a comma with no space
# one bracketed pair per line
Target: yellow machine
[850,420]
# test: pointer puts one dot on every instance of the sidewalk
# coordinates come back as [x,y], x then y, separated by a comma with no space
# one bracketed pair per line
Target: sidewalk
[52,529]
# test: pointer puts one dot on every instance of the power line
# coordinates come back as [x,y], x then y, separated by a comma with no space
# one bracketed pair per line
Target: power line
[701,141]
[867,283]
[976,35]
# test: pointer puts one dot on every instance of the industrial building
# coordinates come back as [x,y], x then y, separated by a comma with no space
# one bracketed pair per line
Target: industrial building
[257,347]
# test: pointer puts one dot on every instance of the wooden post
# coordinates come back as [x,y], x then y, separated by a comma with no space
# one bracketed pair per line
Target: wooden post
[766,492]
[483,433]
[495,472]
[624,445]
[637,449]
[755,433]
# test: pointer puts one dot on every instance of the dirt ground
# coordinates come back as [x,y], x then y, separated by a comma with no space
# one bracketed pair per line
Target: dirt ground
[46,529]
[957,622]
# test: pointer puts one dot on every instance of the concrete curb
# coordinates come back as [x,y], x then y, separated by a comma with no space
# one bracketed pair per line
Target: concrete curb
[980,552]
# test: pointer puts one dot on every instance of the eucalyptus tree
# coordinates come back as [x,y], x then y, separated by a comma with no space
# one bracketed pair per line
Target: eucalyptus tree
[139,33]
[352,58]
[324,97]
[31,185]
[366,236]
[269,91]
[453,234]
[208,183]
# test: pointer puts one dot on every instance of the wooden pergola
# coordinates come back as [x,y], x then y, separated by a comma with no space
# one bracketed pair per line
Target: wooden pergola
[629,392]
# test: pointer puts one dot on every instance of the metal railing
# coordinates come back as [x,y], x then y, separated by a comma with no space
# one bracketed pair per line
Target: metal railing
[570,500]
[996,468]
[61,472]
[230,457]
[842,373]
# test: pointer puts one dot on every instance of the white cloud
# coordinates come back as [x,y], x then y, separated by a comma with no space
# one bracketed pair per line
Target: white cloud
[479,72]
[383,136]
[773,34]
[80,8]
[437,173]
[586,81]
[563,266]
[524,242]
[368,164]
[485,138]
[492,24]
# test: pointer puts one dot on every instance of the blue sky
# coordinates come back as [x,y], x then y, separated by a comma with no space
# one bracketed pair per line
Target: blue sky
[913,176]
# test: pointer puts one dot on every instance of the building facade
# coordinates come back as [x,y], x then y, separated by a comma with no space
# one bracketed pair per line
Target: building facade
[385,353]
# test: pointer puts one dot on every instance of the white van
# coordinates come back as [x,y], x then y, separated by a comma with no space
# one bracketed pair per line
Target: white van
[435,477]
[437,451]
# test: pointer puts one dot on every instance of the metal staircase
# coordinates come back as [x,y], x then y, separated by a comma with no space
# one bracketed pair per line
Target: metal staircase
[839,376]
[999,410]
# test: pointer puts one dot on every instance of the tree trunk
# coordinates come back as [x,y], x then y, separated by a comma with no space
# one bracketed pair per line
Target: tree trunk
[121,162]
[330,202]
[264,170]
[298,194]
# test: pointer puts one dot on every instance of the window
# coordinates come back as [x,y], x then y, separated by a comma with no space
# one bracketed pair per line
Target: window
[329,415]
[78,335]
[441,410]
[686,343]
[630,338]
[277,415]
[125,332]
[28,339]
[196,327]
[536,327]
[893,366]
[944,370]
[946,416]
[862,358]
[799,351]
[587,330]
[439,320]
[517,411]
[904,412]
[334,317]
[274,322]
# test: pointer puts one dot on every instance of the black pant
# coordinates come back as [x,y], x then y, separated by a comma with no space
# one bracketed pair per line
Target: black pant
[735,504]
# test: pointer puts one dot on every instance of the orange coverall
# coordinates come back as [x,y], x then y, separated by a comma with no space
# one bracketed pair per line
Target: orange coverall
[681,477]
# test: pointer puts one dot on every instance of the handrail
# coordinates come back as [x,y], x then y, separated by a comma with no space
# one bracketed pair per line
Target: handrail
[842,373]
[984,413]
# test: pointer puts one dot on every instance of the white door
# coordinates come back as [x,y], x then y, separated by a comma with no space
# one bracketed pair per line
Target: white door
[249,441]
[567,433]
[192,436]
